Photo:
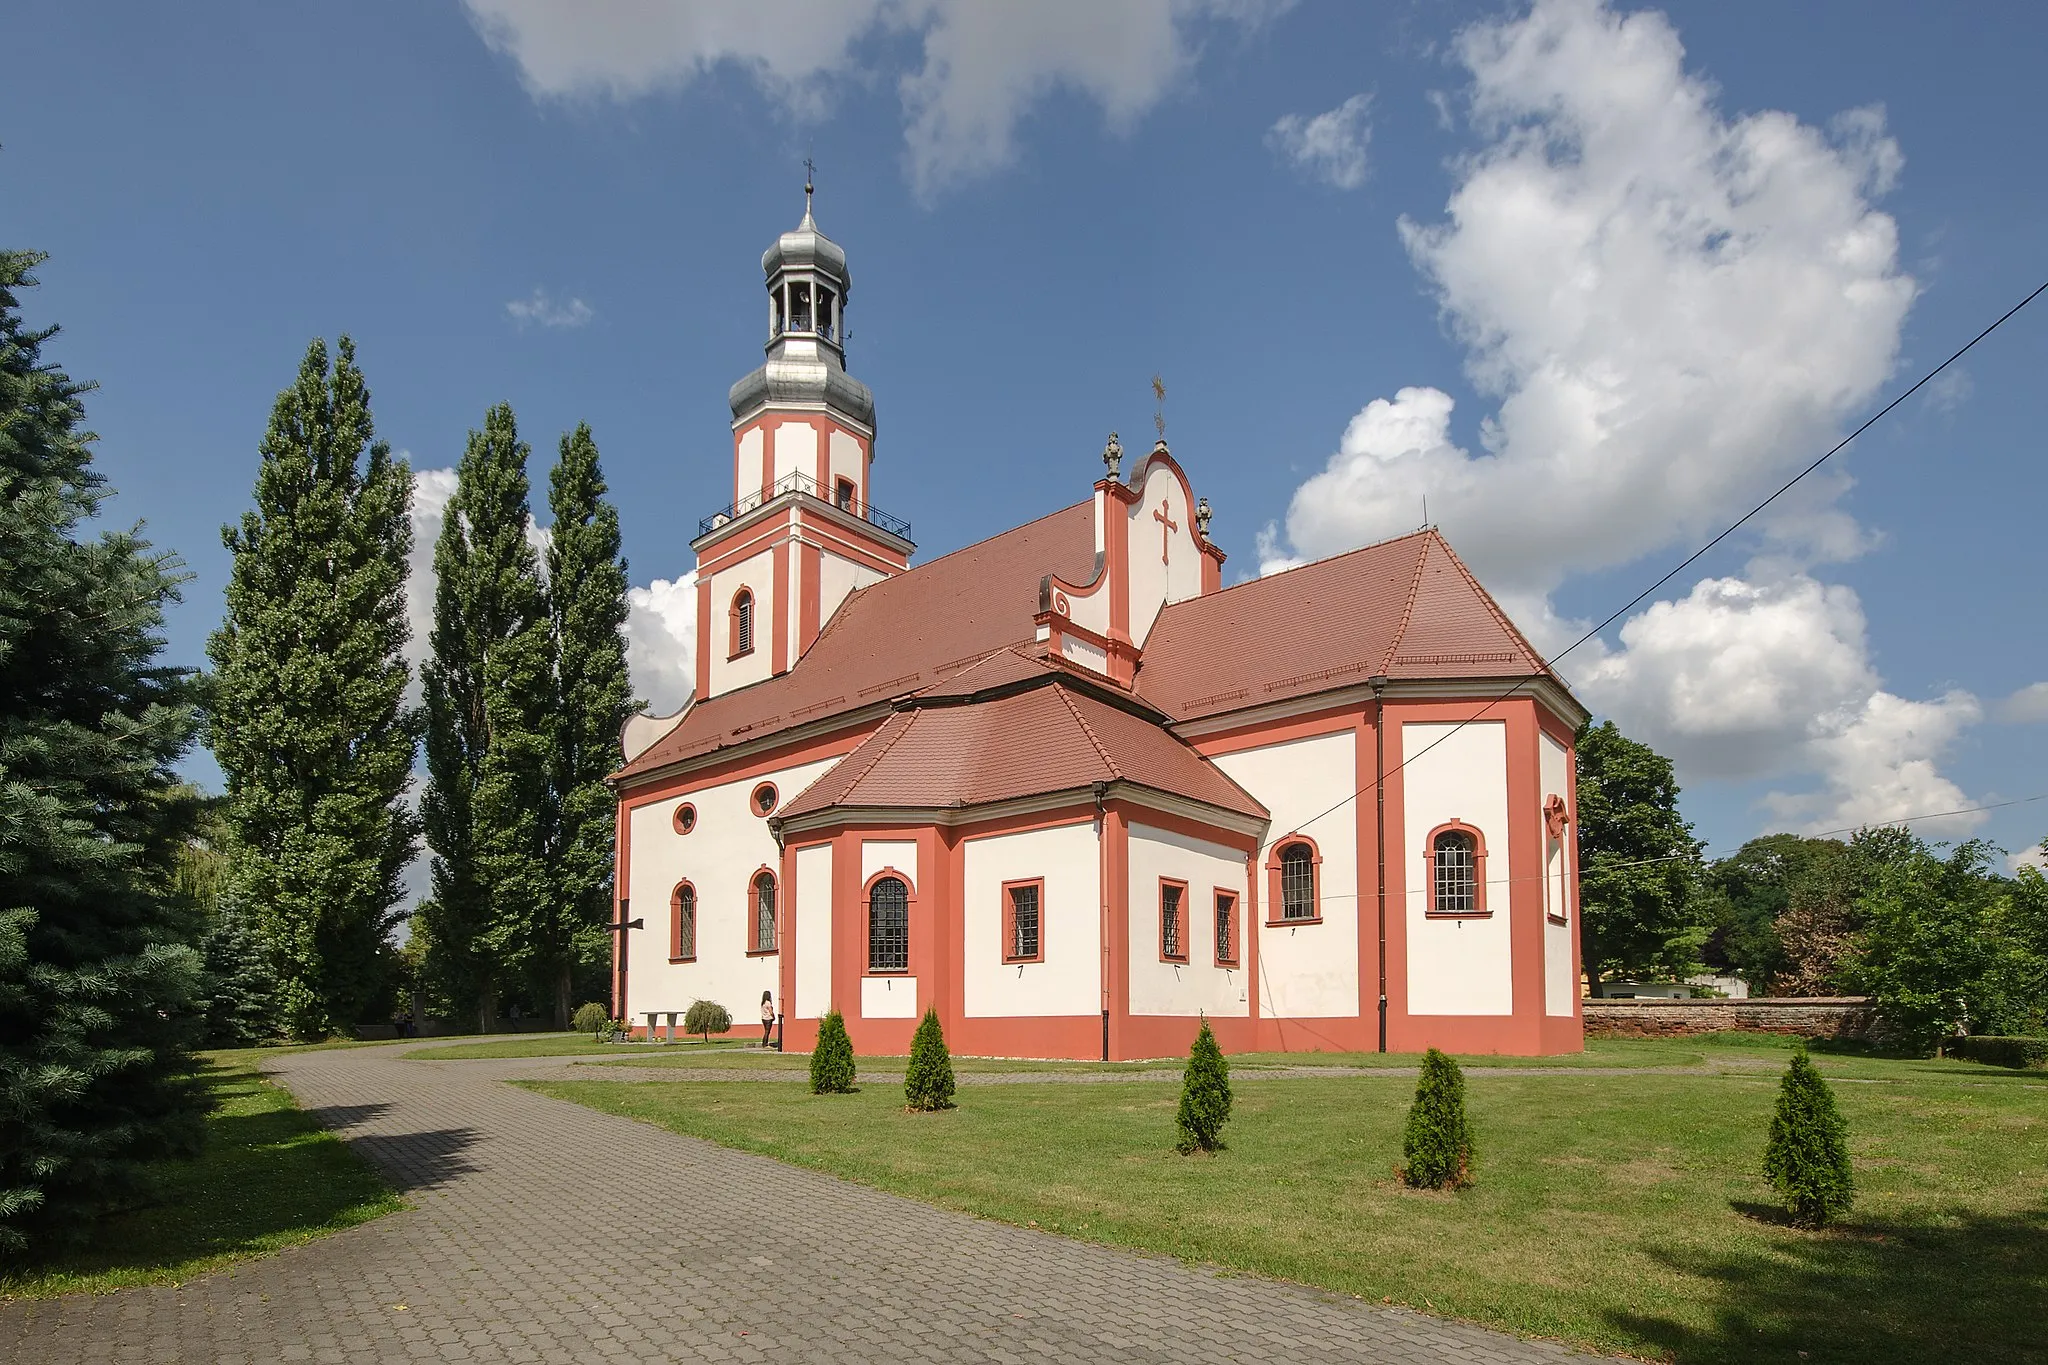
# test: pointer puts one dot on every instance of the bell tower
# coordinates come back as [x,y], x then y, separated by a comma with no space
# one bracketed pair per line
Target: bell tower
[800,533]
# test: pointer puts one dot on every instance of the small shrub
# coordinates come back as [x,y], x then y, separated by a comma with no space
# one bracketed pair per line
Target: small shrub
[1807,1157]
[707,1017]
[593,1019]
[2024,1054]
[1438,1145]
[928,1084]
[832,1057]
[1204,1096]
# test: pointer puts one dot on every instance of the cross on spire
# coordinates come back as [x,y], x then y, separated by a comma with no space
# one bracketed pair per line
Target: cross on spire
[1167,526]
[810,170]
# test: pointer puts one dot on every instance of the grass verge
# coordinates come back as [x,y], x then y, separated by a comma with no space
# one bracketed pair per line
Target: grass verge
[270,1177]
[568,1045]
[1620,1212]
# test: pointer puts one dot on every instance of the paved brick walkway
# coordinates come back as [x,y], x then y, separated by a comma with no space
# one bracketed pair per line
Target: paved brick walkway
[543,1231]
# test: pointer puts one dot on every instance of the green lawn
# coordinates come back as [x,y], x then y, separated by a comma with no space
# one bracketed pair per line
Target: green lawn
[270,1177]
[1622,1212]
[568,1045]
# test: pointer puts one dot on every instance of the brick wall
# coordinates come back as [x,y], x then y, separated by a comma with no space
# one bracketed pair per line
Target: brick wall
[1812,1017]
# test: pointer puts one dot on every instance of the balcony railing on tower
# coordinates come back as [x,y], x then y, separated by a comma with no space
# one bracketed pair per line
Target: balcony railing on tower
[842,498]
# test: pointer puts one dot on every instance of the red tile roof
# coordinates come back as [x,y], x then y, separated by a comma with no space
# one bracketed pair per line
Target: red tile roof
[896,636]
[1050,738]
[1405,608]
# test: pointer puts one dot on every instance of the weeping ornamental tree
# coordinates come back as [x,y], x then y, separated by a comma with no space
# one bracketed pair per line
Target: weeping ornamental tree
[308,714]
[489,702]
[99,985]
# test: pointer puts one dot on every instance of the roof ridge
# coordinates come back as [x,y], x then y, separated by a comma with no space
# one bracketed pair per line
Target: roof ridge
[1101,749]
[1408,607]
[881,752]
[1505,621]
[963,549]
[1297,568]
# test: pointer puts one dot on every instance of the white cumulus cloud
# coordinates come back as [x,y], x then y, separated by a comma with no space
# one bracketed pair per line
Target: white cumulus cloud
[539,309]
[1671,310]
[980,69]
[2029,704]
[1329,146]
[661,641]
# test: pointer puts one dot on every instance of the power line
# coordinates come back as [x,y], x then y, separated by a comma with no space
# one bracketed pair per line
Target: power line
[1685,563]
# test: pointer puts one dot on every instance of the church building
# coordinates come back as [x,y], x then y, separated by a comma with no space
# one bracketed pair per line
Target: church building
[1066,787]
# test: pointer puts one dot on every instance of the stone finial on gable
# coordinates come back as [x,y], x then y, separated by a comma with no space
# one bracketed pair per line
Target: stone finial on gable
[1113,455]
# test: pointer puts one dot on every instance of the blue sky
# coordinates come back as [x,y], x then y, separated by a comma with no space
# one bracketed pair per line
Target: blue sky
[1591,279]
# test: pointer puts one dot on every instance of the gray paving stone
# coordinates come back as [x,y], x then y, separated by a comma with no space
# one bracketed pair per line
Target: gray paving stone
[543,1231]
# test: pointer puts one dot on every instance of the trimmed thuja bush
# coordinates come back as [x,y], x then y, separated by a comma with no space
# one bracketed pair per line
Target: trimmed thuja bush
[707,1017]
[929,1082]
[1438,1146]
[1204,1096]
[832,1057]
[1807,1157]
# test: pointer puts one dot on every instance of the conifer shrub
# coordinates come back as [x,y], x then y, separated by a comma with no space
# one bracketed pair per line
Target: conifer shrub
[929,1082]
[832,1057]
[707,1017]
[1204,1096]
[1438,1144]
[593,1019]
[1807,1157]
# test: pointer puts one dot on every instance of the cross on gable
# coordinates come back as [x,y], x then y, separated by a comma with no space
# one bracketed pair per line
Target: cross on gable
[1167,526]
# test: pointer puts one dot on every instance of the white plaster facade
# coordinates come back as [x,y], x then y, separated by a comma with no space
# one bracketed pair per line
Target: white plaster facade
[1456,773]
[1560,973]
[1195,984]
[1068,979]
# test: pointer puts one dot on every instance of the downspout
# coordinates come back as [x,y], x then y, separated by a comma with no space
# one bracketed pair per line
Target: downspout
[1379,792]
[1102,877]
[782,924]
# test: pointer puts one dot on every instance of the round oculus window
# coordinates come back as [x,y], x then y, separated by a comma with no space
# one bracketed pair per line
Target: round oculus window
[764,799]
[686,818]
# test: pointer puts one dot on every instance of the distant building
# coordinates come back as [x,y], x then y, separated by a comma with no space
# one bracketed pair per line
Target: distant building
[1065,787]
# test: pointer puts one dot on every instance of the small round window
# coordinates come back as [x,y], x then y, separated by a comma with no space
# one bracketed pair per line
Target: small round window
[764,799]
[686,818]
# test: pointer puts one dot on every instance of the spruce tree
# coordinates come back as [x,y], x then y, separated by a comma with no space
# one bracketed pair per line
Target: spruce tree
[489,693]
[1438,1144]
[928,1084]
[1807,1157]
[587,611]
[309,720]
[832,1057]
[1204,1095]
[98,977]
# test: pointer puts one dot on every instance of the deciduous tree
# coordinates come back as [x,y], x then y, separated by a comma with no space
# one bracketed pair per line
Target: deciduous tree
[309,720]
[1638,862]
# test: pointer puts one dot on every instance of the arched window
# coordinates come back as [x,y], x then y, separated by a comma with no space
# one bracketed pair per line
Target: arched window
[764,911]
[741,623]
[889,926]
[1298,881]
[682,924]
[1456,871]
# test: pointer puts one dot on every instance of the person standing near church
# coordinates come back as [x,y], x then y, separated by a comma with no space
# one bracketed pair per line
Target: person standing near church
[767,1016]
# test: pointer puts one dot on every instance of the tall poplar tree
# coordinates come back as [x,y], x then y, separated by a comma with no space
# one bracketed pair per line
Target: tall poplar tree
[308,716]
[489,694]
[98,978]
[587,611]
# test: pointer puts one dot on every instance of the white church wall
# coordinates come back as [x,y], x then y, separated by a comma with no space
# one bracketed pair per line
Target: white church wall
[888,997]
[796,449]
[747,478]
[756,573]
[813,910]
[838,579]
[1196,985]
[719,857]
[843,460]
[1307,971]
[1560,982]
[901,854]
[1153,583]
[1069,979]
[1456,966]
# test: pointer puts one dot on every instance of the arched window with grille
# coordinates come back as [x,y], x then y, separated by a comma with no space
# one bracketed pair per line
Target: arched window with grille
[1299,868]
[764,911]
[888,925]
[682,927]
[1456,870]
[740,623]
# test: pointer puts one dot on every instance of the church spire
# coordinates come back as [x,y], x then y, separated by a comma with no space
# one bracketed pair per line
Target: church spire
[808,283]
